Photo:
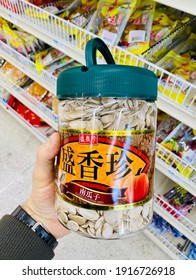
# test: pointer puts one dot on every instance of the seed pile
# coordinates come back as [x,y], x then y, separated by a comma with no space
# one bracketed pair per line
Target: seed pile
[110,224]
[106,114]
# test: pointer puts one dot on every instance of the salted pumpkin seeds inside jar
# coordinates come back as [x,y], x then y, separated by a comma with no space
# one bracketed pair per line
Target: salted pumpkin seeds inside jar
[105,169]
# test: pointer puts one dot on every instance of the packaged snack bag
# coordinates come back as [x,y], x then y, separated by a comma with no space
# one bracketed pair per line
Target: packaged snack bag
[165,125]
[136,35]
[2,35]
[165,21]
[31,43]
[47,100]
[36,91]
[159,50]
[182,142]
[56,7]
[6,69]
[15,75]
[13,39]
[24,112]
[110,19]
[47,57]
[61,62]
[79,12]
[181,67]
[180,199]
[20,78]
[64,67]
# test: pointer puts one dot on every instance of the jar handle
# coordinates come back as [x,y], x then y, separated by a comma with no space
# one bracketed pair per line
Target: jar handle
[90,52]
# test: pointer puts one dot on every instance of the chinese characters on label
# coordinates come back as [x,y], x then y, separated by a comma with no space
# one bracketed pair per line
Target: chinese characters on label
[103,170]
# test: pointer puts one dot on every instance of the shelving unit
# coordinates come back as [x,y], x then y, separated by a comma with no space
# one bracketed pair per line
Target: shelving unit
[165,244]
[184,224]
[56,32]
[44,78]
[38,108]
[42,138]
[177,220]
[170,165]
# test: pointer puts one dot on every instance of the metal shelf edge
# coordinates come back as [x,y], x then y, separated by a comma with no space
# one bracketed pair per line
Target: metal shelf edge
[166,216]
[24,123]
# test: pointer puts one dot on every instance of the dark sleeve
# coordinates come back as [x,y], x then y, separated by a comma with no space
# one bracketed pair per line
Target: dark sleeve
[18,242]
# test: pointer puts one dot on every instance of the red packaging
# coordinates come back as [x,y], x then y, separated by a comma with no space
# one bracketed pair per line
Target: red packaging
[23,111]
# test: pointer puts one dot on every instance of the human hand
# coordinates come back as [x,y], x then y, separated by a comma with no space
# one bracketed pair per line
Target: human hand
[41,203]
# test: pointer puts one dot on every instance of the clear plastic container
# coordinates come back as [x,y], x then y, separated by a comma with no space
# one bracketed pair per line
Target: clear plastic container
[105,169]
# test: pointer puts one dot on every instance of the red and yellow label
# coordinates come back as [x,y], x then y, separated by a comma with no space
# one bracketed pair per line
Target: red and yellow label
[108,169]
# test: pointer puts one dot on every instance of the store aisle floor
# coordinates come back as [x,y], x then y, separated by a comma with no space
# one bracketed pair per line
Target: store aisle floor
[17,157]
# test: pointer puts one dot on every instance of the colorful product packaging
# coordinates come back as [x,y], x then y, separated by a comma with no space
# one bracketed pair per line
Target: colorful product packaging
[110,19]
[181,142]
[136,35]
[165,125]
[181,67]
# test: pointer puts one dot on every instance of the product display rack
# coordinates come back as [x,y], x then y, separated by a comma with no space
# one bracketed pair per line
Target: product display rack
[44,78]
[51,33]
[180,222]
[165,244]
[183,224]
[172,171]
[61,34]
[42,138]
[38,108]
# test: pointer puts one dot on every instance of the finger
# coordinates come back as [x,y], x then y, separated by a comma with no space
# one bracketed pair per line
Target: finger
[45,157]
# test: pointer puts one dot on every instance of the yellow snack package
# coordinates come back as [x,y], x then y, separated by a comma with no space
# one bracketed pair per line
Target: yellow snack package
[13,39]
[136,36]
[110,19]
[47,57]
[181,67]
[165,21]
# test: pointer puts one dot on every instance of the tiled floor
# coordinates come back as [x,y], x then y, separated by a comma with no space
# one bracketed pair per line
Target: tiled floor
[17,157]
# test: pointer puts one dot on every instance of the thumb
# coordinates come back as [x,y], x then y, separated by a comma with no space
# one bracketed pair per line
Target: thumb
[44,166]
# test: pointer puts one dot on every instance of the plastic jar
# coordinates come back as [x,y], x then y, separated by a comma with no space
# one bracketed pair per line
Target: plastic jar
[105,169]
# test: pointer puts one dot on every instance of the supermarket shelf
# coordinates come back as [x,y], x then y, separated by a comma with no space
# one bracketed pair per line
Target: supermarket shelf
[164,244]
[170,164]
[175,176]
[44,35]
[39,109]
[175,218]
[49,82]
[168,106]
[188,6]
[42,138]
[45,79]
[71,39]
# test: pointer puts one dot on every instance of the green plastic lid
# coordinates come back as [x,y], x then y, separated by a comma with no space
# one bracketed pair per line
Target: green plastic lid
[106,80]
